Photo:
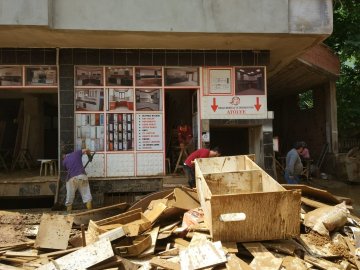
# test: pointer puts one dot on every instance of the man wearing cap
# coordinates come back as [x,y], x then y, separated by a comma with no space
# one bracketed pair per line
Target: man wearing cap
[76,178]
[189,168]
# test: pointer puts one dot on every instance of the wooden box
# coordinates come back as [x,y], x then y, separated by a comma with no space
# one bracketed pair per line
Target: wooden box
[237,185]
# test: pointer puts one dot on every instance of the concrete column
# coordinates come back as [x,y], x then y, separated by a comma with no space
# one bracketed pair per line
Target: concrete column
[331,118]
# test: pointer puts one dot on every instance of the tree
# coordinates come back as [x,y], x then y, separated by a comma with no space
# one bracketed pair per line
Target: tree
[345,40]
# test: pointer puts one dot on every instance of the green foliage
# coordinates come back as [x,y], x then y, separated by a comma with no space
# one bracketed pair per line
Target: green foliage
[306,100]
[345,40]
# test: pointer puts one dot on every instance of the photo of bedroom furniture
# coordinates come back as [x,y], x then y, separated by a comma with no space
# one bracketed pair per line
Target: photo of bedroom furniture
[41,76]
[148,77]
[119,76]
[120,132]
[249,81]
[10,76]
[89,99]
[90,131]
[120,99]
[89,76]
[181,76]
[148,100]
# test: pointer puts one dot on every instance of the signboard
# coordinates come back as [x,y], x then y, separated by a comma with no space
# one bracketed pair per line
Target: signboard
[206,136]
[220,81]
[149,132]
[236,105]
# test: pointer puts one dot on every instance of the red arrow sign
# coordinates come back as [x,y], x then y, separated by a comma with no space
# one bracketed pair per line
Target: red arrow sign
[257,105]
[214,106]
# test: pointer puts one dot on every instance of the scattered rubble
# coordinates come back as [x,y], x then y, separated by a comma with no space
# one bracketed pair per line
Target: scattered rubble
[159,235]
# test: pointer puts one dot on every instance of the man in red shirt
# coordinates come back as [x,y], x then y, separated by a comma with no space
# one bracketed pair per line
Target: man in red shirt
[189,168]
[185,136]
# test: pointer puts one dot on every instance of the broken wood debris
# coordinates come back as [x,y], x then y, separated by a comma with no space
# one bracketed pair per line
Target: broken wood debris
[157,236]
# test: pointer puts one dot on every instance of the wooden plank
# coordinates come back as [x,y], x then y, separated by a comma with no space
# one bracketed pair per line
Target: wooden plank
[170,252]
[164,264]
[314,193]
[83,258]
[61,252]
[111,262]
[185,199]
[235,263]
[153,204]
[99,214]
[321,263]
[230,247]
[352,250]
[154,214]
[182,242]
[263,258]
[294,263]
[113,234]
[9,267]
[153,233]
[208,255]
[114,219]
[54,231]
[170,226]
[33,253]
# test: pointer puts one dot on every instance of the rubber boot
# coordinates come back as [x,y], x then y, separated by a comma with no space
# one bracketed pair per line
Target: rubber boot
[88,205]
[69,208]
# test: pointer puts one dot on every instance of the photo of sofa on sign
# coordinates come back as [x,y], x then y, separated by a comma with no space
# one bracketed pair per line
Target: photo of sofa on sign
[41,76]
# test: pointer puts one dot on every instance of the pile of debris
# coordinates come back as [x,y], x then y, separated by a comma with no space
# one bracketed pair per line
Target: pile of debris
[167,230]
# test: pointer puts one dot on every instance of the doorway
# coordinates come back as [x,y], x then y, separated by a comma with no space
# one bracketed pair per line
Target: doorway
[180,104]
[30,121]
[232,141]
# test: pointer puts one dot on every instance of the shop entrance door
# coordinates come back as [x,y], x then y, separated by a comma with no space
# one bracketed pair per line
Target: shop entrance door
[232,141]
[180,104]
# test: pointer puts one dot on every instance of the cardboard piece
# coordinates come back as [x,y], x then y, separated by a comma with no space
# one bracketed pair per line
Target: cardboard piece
[54,231]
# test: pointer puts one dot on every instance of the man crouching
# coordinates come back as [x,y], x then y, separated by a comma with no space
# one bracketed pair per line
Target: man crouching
[76,178]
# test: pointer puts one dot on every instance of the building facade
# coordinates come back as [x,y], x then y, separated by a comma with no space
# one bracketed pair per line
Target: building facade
[123,74]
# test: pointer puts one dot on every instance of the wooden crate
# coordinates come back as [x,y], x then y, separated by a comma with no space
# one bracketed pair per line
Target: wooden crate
[236,184]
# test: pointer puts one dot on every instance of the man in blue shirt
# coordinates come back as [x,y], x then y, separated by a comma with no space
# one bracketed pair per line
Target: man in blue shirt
[294,166]
[76,178]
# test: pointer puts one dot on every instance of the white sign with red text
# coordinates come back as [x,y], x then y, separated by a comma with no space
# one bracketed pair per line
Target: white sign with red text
[236,105]
[149,131]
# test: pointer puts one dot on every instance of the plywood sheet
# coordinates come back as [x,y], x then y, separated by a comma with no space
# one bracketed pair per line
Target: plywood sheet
[154,214]
[54,231]
[210,254]
[83,258]
[314,193]
[260,210]
[186,200]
